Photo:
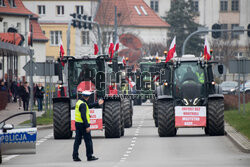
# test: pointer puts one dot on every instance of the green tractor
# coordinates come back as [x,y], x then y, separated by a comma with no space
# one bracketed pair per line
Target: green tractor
[100,75]
[189,97]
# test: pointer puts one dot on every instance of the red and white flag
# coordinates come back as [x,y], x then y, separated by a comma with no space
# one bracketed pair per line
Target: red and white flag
[130,82]
[124,61]
[117,44]
[207,55]
[111,49]
[61,51]
[171,51]
[156,78]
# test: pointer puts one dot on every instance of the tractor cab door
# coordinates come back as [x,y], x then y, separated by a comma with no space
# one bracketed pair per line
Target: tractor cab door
[18,138]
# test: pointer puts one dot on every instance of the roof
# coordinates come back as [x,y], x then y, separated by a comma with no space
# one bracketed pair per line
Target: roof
[18,9]
[130,13]
[37,31]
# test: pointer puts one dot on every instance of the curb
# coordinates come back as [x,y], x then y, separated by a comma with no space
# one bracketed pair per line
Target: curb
[238,139]
[41,127]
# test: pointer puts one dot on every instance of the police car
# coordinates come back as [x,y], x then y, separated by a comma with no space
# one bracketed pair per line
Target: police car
[18,139]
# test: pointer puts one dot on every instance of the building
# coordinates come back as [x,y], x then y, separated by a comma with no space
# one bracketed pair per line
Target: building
[15,20]
[227,13]
[54,20]
[137,24]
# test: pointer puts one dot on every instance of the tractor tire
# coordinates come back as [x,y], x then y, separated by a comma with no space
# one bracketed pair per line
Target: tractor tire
[127,113]
[166,118]
[215,120]
[155,113]
[61,121]
[113,121]
[122,119]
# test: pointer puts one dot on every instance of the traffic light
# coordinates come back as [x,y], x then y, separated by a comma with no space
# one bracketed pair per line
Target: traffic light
[248,32]
[216,34]
[79,23]
[85,19]
[90,25]
[73,21]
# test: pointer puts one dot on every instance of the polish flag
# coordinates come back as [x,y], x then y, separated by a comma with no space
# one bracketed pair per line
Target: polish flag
[130,82]
[111,50]
[171,51]
[156,78]
[124,61]
[207,55]
[117,45]
[61,51]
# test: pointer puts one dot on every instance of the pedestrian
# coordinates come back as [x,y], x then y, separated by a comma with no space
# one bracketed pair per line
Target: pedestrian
[14,89]
[39,96]
[2,86]
[82,124]
[19,94]
[25,96]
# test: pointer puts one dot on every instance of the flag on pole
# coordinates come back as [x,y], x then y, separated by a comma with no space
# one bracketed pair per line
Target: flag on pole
[96,50]
[117,44]
[171,51]
[61,51]
[124,61]
[130,82]
[207,55]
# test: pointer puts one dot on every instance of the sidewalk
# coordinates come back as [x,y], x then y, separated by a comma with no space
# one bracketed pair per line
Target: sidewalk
[13,108]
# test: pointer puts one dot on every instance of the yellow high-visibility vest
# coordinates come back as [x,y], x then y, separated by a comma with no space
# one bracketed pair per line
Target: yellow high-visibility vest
[200,77]
[78,117]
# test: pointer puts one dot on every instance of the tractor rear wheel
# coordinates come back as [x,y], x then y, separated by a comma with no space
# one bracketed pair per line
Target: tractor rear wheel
[61,121]
[112,117]
[215,117]
[127,113]
[166,118]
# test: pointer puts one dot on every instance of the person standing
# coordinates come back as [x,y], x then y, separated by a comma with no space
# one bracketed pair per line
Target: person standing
[25,96]
[19,92]
[82,124]
[39,96]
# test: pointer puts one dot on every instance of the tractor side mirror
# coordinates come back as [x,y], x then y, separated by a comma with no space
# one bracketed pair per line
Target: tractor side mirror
[220,69]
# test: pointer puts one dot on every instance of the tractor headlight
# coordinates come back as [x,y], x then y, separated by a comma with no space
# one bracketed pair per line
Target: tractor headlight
[196,101]
[185,101]
[148,86]
[232,90]
[165,84]
[123,74]
[157,83]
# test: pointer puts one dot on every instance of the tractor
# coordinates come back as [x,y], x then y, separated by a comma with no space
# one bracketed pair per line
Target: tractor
[189,97]
[100,75]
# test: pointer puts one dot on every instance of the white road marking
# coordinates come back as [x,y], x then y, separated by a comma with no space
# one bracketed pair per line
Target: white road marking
[9,157]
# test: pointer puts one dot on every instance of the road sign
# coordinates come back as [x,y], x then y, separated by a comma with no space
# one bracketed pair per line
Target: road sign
[30,66]
[239,66]
[40,68]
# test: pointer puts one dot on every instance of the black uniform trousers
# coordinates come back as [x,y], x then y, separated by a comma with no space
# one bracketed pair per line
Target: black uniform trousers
[81,131]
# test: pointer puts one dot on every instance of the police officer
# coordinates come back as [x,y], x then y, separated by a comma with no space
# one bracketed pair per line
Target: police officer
[82,124]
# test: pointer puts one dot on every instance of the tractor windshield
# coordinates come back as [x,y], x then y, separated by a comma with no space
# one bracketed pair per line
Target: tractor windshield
[79,71]
[189,80]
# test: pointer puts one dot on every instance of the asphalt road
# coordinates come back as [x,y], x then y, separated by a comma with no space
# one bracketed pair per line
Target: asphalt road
[141,146]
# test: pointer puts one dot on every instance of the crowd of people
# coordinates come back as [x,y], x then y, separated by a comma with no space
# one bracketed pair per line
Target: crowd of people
[20,92]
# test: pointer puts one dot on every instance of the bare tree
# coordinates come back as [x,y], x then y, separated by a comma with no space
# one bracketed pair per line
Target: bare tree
[153,49]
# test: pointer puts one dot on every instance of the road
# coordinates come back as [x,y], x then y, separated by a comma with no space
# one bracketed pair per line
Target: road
[141,146]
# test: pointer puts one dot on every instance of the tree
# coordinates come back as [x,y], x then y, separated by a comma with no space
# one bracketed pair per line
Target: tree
[181,19]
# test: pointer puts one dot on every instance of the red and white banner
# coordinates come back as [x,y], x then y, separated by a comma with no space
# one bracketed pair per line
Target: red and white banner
[95,119]
[156,78]
[189,116]
[130,82]
[61,51]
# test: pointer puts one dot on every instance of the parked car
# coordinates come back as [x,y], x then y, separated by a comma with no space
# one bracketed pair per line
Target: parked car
[246,89]
[18,139]
[229,87]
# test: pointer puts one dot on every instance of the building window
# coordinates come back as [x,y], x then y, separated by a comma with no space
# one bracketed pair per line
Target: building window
[18,27]
[223,5]
[41,9]
[154,4]
[12,3]
[79,9]
[224,34]
[234,36]
[235,5]
[85,37]
[60,10]
[195,6]
[2,3]
[55,37]
[5,26]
